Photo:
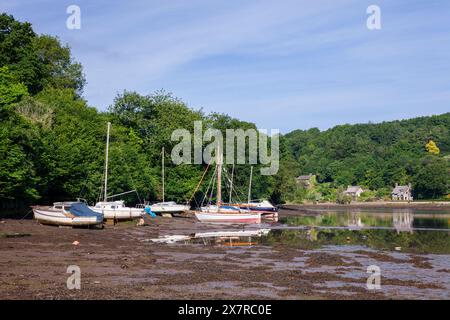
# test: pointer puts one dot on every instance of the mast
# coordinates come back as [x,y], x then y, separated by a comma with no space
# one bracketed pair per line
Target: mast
[219,177]
[250,185]
[231,183]
[106,162]
[162,174]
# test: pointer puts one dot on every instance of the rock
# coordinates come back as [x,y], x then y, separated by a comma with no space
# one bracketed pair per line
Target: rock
[141,222]
[75,243]
[96,282]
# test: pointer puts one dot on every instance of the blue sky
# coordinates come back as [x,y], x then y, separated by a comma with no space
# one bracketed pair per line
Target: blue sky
[281,64]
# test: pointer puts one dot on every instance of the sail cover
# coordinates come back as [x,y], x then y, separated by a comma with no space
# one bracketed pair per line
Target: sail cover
[79,209]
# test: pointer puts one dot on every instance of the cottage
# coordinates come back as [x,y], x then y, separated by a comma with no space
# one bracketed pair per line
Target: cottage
[307,181]
[353,191]
[402,193]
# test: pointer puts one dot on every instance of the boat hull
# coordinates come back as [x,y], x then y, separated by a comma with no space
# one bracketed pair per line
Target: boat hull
[269,212]
[119,214]
[169,209]
[228,217]
[59,218]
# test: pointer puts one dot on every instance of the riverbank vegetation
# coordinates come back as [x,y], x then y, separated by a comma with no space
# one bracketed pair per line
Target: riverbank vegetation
[52,141]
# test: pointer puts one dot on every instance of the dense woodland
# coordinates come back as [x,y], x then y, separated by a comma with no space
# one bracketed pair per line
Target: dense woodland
[52,142]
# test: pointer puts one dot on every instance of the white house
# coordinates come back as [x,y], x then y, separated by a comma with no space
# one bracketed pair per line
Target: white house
[402,193]
[353,191]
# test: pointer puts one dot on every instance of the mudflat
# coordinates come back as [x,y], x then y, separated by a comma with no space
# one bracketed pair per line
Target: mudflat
[118,263]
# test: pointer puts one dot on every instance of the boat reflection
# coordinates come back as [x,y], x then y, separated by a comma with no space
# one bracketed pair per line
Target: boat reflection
[219,238]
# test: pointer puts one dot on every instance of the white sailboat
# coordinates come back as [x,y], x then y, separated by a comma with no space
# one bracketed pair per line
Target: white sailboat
[170,206]
[225,214]
[116,210]
[67,214]
[264,207]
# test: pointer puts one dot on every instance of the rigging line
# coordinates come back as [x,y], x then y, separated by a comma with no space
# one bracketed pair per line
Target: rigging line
[235,190]
[207,189]
[212,189]
[198,185]
[130,175]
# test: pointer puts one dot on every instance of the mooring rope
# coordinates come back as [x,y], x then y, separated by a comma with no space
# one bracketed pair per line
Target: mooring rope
[27,214]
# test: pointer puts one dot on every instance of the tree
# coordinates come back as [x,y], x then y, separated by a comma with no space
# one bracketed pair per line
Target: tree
[432,177]
[57,65]
[11,90]
[432,148]
[37,61]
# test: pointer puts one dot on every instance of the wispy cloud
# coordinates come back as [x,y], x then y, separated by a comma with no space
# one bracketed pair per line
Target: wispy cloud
[284,65]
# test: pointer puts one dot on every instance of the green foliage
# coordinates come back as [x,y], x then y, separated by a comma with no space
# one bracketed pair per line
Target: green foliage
[373,155]
[37,61]
[342,198]
[432,178]
[11,90]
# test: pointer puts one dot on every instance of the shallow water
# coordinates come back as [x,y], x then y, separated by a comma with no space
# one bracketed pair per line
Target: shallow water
[410,230]
[398,219]
[405,230]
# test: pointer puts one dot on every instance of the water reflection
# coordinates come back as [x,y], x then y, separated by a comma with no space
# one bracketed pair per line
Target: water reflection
[407,230]
[382,239]
[317,237]
[401,220]
[221,238]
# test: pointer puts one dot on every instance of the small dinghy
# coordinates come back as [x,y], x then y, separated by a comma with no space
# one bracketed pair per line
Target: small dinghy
[67,214]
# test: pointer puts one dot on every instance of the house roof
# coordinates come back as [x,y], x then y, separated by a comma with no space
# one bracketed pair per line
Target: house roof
[353,189]
[401,189]
[305,177]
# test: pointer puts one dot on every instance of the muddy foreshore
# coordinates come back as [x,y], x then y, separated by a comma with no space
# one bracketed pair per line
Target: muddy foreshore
[116,263]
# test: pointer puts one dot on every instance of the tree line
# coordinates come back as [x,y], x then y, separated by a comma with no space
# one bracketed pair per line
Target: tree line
[52,141]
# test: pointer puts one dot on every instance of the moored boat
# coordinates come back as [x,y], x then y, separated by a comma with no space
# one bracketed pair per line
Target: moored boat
[264,207]
[168,207]
[117,210]
[67,214]
[228,217]
[225,214]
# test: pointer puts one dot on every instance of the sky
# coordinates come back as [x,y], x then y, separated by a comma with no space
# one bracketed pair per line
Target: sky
[287,64]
